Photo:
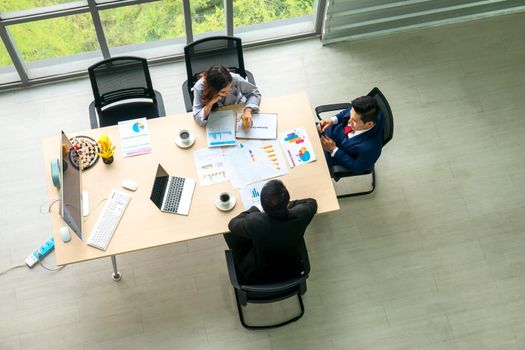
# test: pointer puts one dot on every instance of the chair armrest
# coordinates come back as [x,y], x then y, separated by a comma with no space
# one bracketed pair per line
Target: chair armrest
[188,98]
[230,263]
[331,107]
[304,257]
[337,172]
[93,116]
[160,104]
[249,77]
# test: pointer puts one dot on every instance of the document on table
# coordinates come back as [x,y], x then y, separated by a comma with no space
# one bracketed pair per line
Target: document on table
[254,161]
[134,137]
[251,195]
[210,166]
[297,146]
[220,130]
[264,127]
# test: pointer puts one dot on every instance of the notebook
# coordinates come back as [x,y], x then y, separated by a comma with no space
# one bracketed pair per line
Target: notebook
[172,194]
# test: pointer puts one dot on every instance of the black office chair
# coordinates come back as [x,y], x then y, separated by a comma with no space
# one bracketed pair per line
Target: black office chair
[338,172]
[216,50]
[268,293]
[122,90]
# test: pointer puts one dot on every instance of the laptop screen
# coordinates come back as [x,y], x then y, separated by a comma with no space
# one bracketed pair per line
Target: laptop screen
[159,186]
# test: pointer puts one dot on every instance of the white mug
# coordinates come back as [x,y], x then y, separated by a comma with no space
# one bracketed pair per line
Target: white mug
[184,136]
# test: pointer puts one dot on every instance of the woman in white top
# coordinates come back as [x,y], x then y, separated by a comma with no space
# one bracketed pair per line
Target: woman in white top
[219,87]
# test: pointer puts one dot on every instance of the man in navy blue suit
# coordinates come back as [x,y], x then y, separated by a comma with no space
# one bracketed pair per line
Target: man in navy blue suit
[354,137]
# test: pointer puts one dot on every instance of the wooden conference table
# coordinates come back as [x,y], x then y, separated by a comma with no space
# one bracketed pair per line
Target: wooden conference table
[143,224]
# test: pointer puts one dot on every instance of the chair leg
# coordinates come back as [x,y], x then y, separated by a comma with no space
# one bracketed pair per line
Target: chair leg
[362,193]
[247,326]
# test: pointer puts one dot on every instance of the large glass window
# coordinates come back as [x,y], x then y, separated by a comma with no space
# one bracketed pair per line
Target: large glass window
[207,16]
[7,70]
[18,5]
[153,22]
[47,46]
[262,19]
[5,60]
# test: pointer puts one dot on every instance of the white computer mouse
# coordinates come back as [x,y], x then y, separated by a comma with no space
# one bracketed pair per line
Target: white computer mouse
[129,185]
[64,234]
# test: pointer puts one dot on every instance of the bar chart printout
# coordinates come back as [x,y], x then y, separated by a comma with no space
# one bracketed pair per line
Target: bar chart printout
[220,130]
[210,166]
[251,195]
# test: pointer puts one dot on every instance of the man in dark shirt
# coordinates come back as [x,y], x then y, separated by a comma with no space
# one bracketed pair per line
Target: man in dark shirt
[265,244]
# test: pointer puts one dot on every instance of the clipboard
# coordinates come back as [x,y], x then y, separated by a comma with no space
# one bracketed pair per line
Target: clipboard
[264,127]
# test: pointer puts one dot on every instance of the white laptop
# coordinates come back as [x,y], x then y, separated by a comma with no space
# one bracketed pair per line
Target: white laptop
[172,194]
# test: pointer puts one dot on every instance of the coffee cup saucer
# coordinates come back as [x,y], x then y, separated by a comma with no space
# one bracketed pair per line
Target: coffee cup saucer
[230,205]
[178,141]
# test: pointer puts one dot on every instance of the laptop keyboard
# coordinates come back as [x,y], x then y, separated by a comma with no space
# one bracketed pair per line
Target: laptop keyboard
[174,194]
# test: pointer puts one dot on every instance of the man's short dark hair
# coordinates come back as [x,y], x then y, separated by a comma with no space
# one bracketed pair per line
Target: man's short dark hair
[275,198]
[366,107]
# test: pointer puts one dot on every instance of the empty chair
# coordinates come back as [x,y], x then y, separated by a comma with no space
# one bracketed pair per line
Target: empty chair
[338,172]
[122,90]
[268,293]
[202,54]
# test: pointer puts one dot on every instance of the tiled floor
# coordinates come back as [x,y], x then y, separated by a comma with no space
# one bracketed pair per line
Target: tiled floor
[434,259]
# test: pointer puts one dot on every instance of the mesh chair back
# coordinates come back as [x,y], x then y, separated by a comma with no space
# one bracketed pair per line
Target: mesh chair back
[120,78]
[388,118]
[218,50]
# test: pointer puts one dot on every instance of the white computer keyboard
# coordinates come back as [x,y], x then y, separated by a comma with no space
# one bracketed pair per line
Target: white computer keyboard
[108,220]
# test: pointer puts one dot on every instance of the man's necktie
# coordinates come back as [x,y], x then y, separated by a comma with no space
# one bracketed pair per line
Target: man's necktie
[348,129]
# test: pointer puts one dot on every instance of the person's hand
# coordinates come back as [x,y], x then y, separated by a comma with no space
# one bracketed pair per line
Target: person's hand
[247,119]
[215,99]
[328,144]
[324,124]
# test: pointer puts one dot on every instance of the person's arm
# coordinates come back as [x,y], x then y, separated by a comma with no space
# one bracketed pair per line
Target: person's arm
[357,164]
[251,93]
[336,119]
[199,113]
[237,224]
[309,203]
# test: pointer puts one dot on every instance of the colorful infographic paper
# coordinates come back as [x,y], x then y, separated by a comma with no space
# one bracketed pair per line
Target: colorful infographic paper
[134,137]
[297,147]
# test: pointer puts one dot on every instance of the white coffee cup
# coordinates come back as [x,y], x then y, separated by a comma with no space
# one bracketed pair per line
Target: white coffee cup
[224,199]
[185,137]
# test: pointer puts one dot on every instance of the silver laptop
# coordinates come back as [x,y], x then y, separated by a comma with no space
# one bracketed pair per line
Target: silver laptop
[172,194]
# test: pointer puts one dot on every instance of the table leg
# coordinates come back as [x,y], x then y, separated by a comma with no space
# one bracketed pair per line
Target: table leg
[116,275]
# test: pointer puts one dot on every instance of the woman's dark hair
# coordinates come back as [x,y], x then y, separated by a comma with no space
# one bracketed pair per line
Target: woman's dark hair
[366,107]
[216,78]
[275,198]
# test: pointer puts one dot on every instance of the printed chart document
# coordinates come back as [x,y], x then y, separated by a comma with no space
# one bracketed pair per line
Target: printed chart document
[220,130]
[251,195]
[255,161]
[210,166]
[264,127]
[297,146]
[134,137]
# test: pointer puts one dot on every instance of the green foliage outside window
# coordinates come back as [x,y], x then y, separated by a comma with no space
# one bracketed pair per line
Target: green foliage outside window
[135,24]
